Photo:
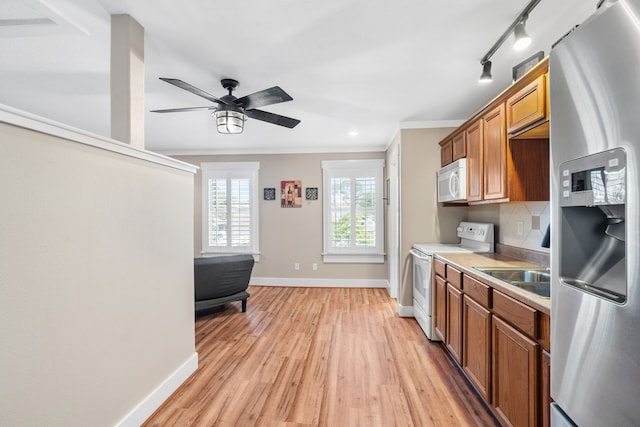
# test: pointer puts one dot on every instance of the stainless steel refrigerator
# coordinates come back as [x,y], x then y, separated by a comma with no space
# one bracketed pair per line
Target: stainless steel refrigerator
[594,77]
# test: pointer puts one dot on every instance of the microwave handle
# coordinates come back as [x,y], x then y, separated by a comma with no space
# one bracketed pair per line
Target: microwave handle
[453,182]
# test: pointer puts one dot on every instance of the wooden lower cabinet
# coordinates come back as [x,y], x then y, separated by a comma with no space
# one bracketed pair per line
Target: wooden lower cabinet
[501,344]
[515,359]
[476,346]
[454,322]
[545,389]
[440,309]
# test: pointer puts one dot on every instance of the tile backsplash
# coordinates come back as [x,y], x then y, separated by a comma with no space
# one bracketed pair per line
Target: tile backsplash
[519,224]
[523,224]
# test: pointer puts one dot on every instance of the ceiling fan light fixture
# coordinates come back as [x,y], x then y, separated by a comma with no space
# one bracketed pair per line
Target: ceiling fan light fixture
[232,112]
[229,120]
[522,39]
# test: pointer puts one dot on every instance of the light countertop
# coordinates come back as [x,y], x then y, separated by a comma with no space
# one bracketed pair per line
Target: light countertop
[466,261]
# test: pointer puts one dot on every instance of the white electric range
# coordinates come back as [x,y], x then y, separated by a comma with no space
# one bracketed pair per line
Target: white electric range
[474,237]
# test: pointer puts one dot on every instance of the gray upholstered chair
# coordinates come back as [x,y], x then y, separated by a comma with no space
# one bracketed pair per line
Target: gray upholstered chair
[221,279]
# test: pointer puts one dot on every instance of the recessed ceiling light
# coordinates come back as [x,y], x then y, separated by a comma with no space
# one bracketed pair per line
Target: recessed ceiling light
[354,133]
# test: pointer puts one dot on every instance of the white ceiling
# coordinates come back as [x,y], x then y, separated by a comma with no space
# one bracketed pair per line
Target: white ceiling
[369,66]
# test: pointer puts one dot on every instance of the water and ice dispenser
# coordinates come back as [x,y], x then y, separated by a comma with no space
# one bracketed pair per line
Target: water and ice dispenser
[592,239]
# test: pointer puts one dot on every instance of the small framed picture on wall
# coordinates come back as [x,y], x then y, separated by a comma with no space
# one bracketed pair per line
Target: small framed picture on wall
[311,193]
[291,194]
[269,193]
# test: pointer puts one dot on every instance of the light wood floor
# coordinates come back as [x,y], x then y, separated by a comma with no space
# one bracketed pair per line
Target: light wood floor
[319,357]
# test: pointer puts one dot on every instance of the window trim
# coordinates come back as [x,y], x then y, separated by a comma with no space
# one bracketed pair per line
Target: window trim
[230,170]
[353,169]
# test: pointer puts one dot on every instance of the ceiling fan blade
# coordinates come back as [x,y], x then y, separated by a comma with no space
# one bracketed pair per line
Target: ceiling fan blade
[276,119]
[273,95]
[190,88]
[179,110]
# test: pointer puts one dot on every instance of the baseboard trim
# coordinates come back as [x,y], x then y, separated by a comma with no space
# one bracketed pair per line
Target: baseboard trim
[318,283]
[394,294]
[405,310]
[149,404]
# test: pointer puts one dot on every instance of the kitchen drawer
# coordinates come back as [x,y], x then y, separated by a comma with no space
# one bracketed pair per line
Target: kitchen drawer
[439,268]
[480,292]
[454,277]
[519,315]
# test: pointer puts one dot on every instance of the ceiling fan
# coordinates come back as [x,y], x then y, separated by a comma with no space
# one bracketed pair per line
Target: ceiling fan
[231,112]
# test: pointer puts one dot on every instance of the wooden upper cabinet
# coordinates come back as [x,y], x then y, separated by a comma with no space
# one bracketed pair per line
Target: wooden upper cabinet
[453,149]
[528,170]
[527,107]
[446,152]
[459,146]
[495,154]
[506,143]
[475,161]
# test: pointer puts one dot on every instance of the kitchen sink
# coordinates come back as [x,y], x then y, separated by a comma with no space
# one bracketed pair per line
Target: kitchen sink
[534,280]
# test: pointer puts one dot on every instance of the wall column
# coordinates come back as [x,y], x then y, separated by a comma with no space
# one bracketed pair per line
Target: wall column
[127,80]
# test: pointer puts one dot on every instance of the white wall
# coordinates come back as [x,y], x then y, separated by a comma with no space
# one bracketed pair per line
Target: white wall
[289,236]
[96,282]
[422,218]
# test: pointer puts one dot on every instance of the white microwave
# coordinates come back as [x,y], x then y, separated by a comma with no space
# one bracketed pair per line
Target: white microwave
[452,182]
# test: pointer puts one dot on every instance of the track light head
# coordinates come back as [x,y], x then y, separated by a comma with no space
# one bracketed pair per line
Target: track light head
[485,77]
[522,40]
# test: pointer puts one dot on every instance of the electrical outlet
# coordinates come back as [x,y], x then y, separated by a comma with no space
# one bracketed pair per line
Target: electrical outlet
[296,266]
[314,266]
[520,230]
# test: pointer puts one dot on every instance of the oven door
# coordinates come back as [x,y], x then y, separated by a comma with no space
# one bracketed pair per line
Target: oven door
[422,292]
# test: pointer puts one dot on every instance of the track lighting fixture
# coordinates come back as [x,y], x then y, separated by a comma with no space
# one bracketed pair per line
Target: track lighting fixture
[485,77]
[522,39]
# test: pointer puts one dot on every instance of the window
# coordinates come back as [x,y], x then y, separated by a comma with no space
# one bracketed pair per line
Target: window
[352,211]
[230,207]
